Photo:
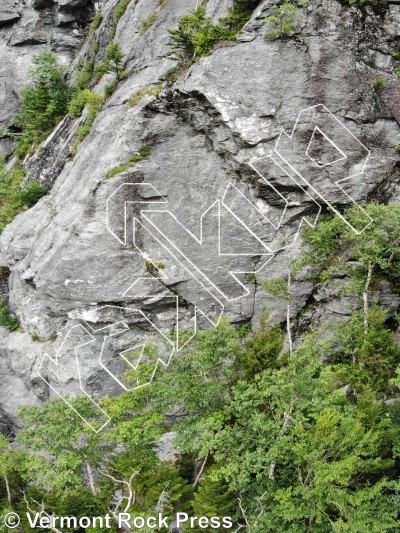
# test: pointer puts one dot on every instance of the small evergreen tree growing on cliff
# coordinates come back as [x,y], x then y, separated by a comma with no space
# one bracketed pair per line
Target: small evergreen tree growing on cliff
[197,35]
[43,102]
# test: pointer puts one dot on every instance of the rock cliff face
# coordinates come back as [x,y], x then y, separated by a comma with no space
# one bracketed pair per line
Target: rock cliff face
[209,135]
[27,26]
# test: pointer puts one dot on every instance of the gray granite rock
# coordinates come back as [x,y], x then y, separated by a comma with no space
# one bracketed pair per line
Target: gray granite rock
[215,127]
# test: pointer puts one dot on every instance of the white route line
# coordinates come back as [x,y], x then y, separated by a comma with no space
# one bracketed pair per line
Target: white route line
[144,190]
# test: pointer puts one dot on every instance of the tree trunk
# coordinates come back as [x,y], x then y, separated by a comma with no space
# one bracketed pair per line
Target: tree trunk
[91,479]
[365,296]
[8,489]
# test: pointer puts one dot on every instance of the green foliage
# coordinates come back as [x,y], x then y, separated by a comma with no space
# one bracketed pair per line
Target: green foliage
[95,47]
[10,201]
[31,193]
[98,19]
[110,88]
[144,153]
[44,101]
[333,244]
[296,449]
[365,359]
[58,431]
[282,436]
[214,498]
[277,287]
[281,443]
[84,76]
[196,35]
[118,14]
[251,277]
[236,19]
[120,10]
[148,22]
[284,20]
[261,350]
[152,90]
[379,85]
[94,103]
[114,62]
[115,58]
[153,267]
[13,197]
[79,102]
[6,319]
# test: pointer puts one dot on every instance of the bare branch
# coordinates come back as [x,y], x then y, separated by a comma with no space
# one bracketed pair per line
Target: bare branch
[201,470]
[41,512]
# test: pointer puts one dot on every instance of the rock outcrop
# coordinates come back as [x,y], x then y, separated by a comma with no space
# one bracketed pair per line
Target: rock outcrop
[26,27]
[209,135]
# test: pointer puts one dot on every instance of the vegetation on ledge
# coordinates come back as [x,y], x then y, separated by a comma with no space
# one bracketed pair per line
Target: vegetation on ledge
[197,36]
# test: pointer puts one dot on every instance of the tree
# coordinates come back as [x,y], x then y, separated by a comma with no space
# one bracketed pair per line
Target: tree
[73,451]
[306,443]
[284,20]
[301,457]
[364,360]
[114,62]
[366,259]
[44,101]
[196,35]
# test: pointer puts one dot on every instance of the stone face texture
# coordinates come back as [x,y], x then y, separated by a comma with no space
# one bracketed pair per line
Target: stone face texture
[26,28]
[204,130]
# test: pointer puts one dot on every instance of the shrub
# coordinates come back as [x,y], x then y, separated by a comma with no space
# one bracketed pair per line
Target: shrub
[153,90]
[365,358]
[43,102]
[335,249]
[148,23]
[153,267]
[95,47]
[6,320]
[196,36]
[78,102]
[32,193]
[284,19]
[120,10]
[118,13]
[10,204]
[379,85]
[94,103]
[98,19]
[114,58]
[113,63]
[262,349]
[84,75]
[238,17]
[13,198]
